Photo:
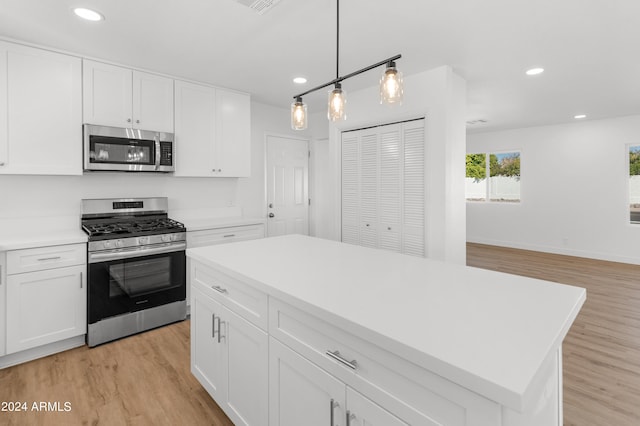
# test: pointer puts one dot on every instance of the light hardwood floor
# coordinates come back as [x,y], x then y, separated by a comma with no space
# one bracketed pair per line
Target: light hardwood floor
[140,380]
[601,354]
[145,379]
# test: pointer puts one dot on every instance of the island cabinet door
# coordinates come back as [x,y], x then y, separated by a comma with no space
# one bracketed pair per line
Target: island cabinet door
[361,411]
[230,358]
[206,352]
[246,360]
[301,393]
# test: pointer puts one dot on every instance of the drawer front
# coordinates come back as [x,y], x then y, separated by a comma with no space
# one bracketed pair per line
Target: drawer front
[241,298]
[42,258]
[224,235]
[415,395]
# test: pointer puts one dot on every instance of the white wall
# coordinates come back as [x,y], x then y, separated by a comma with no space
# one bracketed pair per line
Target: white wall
[440,96]
[574,188]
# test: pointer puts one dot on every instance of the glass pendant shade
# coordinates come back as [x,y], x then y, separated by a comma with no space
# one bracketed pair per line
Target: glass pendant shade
[337,101]
[391,86]
[298,115]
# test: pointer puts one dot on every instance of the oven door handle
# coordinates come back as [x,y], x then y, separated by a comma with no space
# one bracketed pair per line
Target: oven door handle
[119,254]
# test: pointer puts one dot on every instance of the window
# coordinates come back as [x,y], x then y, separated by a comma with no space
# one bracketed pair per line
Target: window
[634,183]
[503,182]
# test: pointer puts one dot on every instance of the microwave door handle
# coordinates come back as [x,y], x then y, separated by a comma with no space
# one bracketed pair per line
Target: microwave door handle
[157,141]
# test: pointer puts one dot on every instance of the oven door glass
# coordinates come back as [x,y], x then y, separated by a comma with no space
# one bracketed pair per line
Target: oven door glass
[128,285]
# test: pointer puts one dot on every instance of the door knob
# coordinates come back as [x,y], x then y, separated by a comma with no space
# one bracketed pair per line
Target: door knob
[271,215]
[270,205]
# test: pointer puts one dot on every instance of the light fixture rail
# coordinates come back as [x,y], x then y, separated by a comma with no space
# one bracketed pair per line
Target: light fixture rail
[353,74]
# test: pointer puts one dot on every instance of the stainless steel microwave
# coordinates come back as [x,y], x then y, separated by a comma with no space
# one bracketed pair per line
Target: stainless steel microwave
[129,150]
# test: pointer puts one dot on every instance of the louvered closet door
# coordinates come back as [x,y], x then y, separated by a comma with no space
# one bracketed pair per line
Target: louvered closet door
[369,188]
[390,188]
[413,215]
[350,189]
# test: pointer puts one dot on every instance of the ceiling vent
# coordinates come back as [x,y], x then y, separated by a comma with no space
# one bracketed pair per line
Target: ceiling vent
[260,6]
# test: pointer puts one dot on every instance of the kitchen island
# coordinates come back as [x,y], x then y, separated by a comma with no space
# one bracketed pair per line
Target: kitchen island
[299,330]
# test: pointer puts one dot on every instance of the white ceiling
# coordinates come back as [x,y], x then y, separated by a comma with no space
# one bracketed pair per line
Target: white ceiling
[590,49]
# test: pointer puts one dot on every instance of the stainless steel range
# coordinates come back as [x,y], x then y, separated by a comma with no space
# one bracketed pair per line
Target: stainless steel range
[136,270]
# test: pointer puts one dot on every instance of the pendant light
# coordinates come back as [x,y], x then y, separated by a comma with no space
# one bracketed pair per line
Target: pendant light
[391,90]
[337,101]
[391,85]
[298,115]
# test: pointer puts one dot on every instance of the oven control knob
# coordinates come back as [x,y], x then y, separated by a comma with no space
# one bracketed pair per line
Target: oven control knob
[107,244]
[166,238]
[143,240]
[118,243]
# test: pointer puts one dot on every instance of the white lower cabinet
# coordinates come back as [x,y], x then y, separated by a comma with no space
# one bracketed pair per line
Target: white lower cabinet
[222,235]
[46,295]
[304,394]
[300,392]
[229,356]
[3,304]
[362,411]
[45,307]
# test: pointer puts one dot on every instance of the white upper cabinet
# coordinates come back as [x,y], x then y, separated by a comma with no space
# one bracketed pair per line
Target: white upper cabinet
[233,134]
[152,102]
[40,111]
[195,129]
[213,131]
[121,97]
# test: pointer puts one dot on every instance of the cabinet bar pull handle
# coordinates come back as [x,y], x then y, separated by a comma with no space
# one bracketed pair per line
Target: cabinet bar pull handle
[350,416]
[219,289]
[332,406]
[42,259]
[219,330]
[213,326]
[353,364]
[229,235]
[80,279]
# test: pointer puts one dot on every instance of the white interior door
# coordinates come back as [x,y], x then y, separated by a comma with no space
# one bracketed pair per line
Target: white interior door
[287,186]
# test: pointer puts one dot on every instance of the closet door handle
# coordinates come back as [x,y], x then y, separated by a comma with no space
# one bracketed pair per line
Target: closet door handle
[350,416]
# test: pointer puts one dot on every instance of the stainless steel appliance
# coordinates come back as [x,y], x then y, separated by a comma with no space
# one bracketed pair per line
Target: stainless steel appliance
[136,272]
[129,150]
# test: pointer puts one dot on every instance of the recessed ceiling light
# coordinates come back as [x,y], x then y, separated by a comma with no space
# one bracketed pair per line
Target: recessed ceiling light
[88,14]
[535,71]
[579,116]
[300,80]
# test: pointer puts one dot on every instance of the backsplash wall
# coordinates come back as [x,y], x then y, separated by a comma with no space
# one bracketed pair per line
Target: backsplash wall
[45,196]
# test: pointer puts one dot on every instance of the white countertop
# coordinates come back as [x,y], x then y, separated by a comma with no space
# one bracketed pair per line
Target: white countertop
[29,232]
[487,331]
[199,224]
[22,233]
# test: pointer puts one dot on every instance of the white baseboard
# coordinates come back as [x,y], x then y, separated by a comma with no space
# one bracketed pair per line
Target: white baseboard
[41,351]
[557,250]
